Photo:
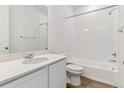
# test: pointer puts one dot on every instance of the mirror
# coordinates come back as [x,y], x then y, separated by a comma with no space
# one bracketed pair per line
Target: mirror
[23,28]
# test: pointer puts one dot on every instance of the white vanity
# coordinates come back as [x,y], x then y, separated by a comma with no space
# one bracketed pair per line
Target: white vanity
[50,73]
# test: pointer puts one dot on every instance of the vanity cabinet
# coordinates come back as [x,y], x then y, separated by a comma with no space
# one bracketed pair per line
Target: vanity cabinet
[57,75]
[51,76]
[37,79]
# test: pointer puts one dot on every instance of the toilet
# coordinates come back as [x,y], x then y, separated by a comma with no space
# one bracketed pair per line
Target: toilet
[73,74]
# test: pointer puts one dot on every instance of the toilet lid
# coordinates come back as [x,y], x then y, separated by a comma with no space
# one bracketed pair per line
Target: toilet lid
[74,67]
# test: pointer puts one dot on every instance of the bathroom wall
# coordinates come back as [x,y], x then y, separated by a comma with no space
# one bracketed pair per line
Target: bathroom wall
[98,42]
[61,31]
[56,27]
[25,21]
[94,36]
[69,33]
[76,42]
[4,29]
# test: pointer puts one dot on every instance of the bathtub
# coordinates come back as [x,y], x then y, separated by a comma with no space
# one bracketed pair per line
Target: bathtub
[102,72]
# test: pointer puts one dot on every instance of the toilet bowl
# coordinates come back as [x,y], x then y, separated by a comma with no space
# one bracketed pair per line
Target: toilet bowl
[73,74]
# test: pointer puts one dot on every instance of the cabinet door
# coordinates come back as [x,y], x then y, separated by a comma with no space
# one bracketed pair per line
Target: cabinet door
[57,75]
[38,79]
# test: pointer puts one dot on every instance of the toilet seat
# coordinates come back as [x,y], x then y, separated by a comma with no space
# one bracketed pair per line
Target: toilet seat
[74,68]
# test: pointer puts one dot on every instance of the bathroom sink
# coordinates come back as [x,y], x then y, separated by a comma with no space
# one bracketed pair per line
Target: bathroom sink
[35,60]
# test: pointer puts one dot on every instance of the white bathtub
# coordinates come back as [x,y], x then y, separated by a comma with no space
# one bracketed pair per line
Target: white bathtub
[103,72]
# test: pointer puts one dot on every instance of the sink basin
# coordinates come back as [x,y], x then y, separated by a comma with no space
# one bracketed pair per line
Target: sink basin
[35,60]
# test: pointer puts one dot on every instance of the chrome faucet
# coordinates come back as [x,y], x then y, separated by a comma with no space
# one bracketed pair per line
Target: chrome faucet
[28,55]
[114,55]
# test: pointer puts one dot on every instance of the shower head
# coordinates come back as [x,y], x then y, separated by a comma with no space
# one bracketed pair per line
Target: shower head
[109,13]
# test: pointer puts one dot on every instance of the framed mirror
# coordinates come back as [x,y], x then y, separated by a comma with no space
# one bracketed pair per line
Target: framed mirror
[23,28]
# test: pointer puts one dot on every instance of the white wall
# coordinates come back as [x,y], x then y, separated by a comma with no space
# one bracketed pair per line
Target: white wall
[25,21]
[94,36]
[4,29]
[96,44]
[56,27]
[61,31]
[69,33]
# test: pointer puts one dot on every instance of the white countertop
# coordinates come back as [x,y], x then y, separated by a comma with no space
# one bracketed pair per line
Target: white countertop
[11,70]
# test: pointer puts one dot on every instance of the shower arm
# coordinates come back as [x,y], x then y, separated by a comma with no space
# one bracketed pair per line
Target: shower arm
[112,11]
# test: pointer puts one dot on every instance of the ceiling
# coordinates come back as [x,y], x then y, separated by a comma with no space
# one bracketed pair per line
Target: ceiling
[42,8]
[77,6]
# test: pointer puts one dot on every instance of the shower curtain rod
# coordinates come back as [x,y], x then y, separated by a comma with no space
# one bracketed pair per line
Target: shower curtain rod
[89,12]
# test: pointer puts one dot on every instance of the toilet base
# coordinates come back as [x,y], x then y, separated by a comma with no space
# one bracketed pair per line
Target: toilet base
[75,80]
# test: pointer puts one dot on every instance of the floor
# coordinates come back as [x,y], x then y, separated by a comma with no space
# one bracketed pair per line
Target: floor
[88,83]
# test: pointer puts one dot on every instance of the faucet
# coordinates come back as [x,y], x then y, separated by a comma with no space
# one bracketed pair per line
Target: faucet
[114,55]
[28,55]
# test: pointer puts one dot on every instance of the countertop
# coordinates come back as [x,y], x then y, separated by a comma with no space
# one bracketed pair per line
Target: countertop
[11,70]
